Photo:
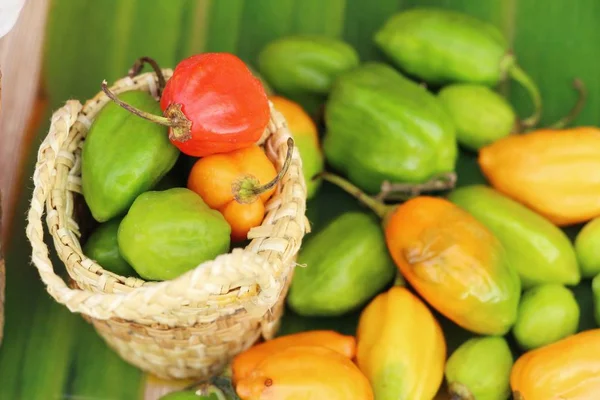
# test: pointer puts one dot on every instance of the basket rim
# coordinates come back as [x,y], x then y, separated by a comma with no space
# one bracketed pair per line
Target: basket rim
[256,266]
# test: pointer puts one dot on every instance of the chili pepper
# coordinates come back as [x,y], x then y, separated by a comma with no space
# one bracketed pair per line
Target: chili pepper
[212,104]
[246,361]
[238,184]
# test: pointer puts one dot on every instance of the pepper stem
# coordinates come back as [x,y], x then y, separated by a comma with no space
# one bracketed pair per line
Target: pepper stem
[513,69]
[247,189]
[576,110]
[458,391]
[380,209]
[405,191]
[139,64]
[174,117]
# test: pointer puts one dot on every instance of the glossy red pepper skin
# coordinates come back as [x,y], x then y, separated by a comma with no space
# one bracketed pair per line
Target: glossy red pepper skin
[227,106]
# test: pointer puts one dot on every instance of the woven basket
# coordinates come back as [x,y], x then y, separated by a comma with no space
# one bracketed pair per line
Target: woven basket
[188,327]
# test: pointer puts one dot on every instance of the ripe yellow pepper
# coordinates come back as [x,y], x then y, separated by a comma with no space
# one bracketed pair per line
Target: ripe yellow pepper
[401,347]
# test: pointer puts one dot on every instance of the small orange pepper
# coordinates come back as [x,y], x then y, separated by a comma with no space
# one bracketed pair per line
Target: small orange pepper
[237,184]
[246,361]
[306,138]
[297,119]
[305,372]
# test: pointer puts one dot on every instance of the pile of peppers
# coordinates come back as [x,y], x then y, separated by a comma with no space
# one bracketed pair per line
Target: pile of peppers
[175,182]
[211,114]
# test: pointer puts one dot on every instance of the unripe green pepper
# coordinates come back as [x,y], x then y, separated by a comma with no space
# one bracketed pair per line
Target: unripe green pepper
[539,251]
[382,126]
[596,295]
[305,64]
[480,369]
[347,263]
[166,233]
[103,247]
[587,247]
[123,156]
[481,115]
[547,313]
[443,46]
[312,163]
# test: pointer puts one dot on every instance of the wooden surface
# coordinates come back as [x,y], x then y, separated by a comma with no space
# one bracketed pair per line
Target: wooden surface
[49,353]
[2,280]
[20,61]
[2,268]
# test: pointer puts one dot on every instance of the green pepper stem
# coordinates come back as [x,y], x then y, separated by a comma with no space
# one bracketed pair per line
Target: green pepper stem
[458,391]
[174,117]
[247,189]
[576,110]
[378,207]
[513,69]
[136,68]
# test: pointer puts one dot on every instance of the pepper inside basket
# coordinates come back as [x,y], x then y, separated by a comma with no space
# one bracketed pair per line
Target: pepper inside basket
[188,327]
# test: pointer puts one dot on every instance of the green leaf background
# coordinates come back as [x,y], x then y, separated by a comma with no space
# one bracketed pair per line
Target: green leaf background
[49,353]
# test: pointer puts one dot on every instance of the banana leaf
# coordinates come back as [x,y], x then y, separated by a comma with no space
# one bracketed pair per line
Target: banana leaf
[49,353]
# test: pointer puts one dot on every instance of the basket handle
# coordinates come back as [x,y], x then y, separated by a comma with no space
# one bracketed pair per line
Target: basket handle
[147,303]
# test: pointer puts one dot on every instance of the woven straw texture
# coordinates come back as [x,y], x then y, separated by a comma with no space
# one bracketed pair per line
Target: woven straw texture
[188,327]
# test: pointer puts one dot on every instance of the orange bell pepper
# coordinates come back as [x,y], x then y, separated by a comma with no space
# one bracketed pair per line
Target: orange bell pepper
[246,361]
[305,373]
[237,184]
[553,172]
